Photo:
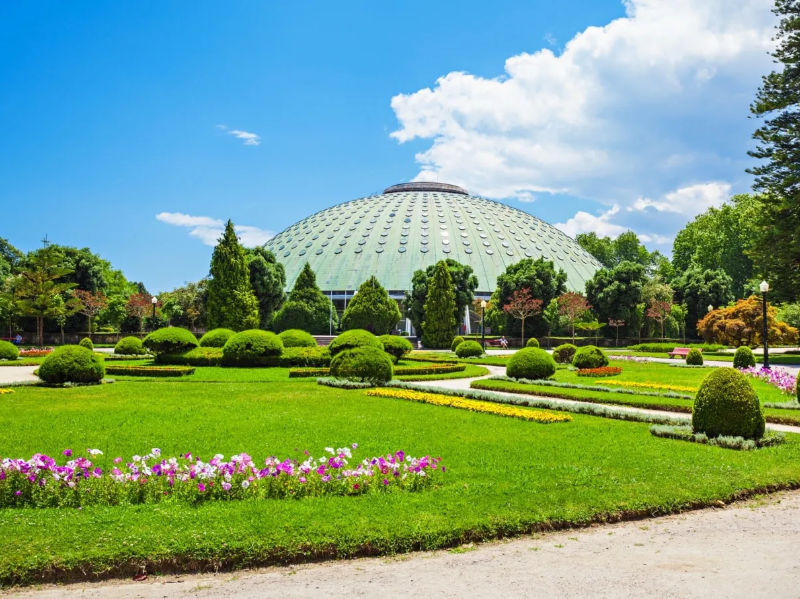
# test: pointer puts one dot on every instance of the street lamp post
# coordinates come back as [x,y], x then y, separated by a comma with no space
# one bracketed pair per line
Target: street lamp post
[710,307]
[483,328]
[764,287]
[154,301]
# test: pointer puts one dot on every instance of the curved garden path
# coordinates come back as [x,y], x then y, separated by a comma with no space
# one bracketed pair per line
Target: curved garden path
[17,374]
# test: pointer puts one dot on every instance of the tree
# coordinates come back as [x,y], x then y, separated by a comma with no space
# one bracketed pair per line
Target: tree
[91,304]
[602,248]
[464,281]
[438,328]
[231,303]
[614,293]
[611,252]
[268,280]
[185,305]
[637,315]
[63,309]
[544,282]
[10,258]
[590,326]
[778,146]
[659,311]
[37,285]
[698,288]
[679,312]
[572,306]
[138,307]
[371,309]
[551,316]
[742,324]
[522,305]
[306,308]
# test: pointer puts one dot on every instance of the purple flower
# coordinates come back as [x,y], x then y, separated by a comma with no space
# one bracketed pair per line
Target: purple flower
[67,453]
[201,487]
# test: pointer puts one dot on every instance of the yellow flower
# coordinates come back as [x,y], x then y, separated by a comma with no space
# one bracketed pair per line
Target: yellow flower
[473,405]
[638,385]
[4,391]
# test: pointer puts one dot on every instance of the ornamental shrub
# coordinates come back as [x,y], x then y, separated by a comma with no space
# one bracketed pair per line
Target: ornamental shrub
[170,340]
[694,357]
[307,307]
[589,356]
[456,340]
[72,364]
[469,349]
[564,353]
[129,346]
[367,363]
[439,325]
[216,337]
[726,404]
[395,346]
[297,338]
[744,358]
[87,343]
[531,363]
[8,351]
[371,309]
[352,339]
[253,347]
[532,342]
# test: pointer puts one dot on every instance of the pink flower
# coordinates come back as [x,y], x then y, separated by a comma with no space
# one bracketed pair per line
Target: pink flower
[201,487]
[117,460]
[67,453]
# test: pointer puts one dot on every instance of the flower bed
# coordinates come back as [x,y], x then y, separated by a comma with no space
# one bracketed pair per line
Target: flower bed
[777,377]
[4,391]
[36,352]
[150,370]
[601,371]
[41,482]
[470,404]
[640,385]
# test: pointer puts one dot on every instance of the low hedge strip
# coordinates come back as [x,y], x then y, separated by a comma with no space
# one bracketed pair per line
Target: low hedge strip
[603,388]
[398,371]
[685,433]
[164,371]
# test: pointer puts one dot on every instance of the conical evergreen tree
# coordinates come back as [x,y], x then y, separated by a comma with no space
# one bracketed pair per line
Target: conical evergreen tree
[371,309]
[439,310]
[307,308]
[231,302]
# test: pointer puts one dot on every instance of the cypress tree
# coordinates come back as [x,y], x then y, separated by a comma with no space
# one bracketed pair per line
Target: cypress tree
[439,309]
[307,308]
[371,309]
[268,280]
[231,302]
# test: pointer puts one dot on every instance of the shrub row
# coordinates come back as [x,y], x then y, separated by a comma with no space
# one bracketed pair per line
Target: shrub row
[398,371]
[150,370]
[601,388]
[659,348]
[685,433]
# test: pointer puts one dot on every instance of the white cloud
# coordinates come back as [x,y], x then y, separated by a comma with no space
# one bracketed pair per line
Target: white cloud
[583,222]
[688,201]
[209,230]
[250,139]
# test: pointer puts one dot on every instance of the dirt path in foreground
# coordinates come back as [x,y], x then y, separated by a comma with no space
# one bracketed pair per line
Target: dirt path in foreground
[746,550]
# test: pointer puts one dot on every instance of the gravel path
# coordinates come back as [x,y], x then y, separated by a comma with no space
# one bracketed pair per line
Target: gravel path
[17,374]
[732,552]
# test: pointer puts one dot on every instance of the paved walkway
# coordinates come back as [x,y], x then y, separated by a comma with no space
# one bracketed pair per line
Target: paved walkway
[732,552]
[17,374]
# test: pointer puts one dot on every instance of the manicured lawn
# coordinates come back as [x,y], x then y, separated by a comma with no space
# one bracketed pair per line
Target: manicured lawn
[504,476]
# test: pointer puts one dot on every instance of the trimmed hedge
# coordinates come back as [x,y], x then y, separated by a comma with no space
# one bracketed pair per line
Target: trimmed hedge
[87,343]
[726,404]
[251,348]
[398,371]
[170,340]
[744,358]
[216,337]
[352,339]
[367,364]
[150,370]
[469,349]
[8,351]
[589,356]
[297,338]
[564,353]
[72,364]
[395,346]
[532,342]
[531,363]
[458,339]
[291,356]
[663,348]
[129,346]
[694,357]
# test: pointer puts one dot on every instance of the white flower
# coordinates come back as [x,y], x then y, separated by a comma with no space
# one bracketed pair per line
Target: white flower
[330,450]
[155,451]
[94,452]
[245,484]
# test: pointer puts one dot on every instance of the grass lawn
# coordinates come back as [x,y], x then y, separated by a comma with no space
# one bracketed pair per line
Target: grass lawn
[504,476]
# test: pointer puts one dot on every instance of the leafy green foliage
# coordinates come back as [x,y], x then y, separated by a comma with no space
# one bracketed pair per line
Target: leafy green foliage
[612,252]
[72,364]
[456,340]
[268,280]
[726,404]
[367,364]
[614,293]
[8,351]
[464,281]
[231,302]
[532,342]
[170,340]
[371,309]
[216,337]
[129,346]
[352,339]
[395,346]
[698,288]
[564,353]
[307,308]
[694,357]
[297,338]
[438,328]
[589,356]
[251,348]
[744,358]
[743,324]
[531,363]
[469,349]
[86,342]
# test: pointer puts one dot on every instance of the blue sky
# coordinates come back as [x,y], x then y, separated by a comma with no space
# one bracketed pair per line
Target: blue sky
[591,114]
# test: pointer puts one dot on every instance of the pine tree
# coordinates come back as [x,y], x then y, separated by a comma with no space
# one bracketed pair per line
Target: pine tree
[371,309]
[268,280]
[307,307]
[231,302]
[778,227]
[439,310]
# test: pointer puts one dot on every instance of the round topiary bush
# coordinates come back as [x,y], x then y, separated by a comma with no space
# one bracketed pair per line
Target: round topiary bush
[531,363]
[395,346]
[726,404]
[564,353]
[170,340]
[72,364]
[744,358]
[532,342]
[589,356]
[694,357]
[87,343]
[129,346]
[251,348]
[469,349]
[458,339]
[216,337]
[352,339]
[367,363]
[297,338]
[8,351]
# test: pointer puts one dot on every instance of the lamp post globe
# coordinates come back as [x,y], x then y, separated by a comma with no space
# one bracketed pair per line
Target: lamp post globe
[764,287]
[710,307]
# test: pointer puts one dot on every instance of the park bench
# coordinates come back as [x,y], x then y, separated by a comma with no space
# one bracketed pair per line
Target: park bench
[680,352]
